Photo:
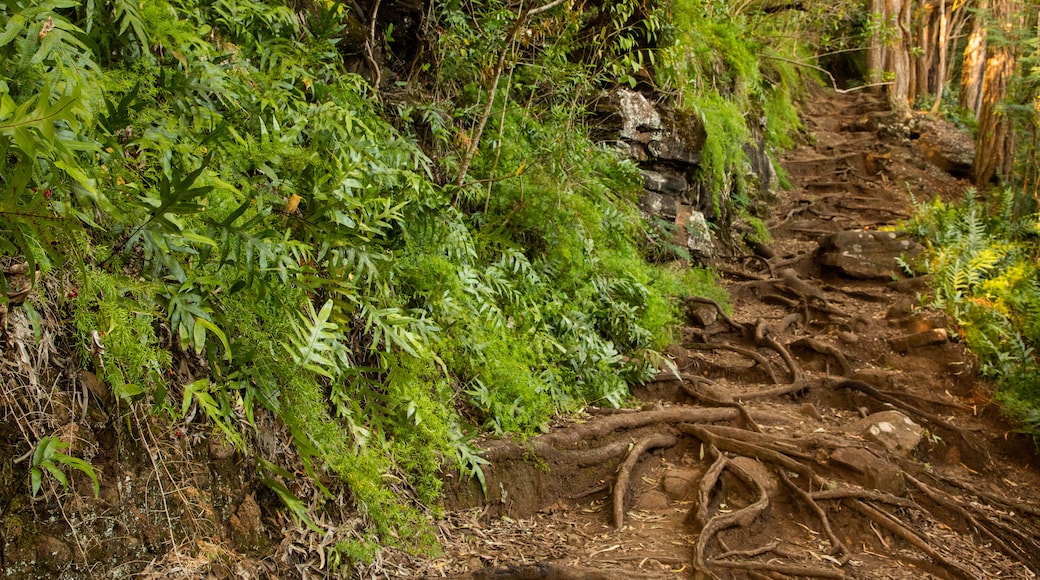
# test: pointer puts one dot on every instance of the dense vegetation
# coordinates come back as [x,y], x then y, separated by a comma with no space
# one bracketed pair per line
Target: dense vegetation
[392,241]
[231,223]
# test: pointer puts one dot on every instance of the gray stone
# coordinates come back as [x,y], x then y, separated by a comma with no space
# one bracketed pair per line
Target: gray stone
[866,254]
[698,237]
[701,314]
[672,148]
[890,429]
[874,472]
[945,146]
[667,183]
[659,205]
[640,120]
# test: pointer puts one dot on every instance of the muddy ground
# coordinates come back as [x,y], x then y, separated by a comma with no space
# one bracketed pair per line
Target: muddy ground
[830,427]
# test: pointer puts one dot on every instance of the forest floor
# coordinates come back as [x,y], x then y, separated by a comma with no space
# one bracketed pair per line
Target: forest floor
[830,427]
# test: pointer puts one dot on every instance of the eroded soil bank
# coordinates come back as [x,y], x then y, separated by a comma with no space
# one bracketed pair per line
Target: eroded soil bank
[828,428]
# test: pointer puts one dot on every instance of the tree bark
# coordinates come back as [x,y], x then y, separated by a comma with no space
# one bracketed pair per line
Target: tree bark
[995,144]
[943,46]
[897,55]
[875,46]
[973,68]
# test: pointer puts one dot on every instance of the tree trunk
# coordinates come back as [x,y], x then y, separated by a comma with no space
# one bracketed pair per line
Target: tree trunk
[924,58]
[897,56]
[943,46]
[995,144]
[875,46]
[973,69]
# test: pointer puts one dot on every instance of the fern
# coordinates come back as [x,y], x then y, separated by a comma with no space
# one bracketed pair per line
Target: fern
[314,344]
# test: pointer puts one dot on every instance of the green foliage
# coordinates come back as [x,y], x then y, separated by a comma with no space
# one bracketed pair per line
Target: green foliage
[987,277]
[739,87]
[48,457]
[232,199]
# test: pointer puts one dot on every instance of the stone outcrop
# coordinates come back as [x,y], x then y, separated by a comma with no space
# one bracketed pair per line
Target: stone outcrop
[867,254]
[667,147]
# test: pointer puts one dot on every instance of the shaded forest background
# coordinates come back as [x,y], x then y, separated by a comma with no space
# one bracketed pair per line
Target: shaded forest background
[378,230]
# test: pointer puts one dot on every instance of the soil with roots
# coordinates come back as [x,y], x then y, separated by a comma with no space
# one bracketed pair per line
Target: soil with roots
[750,457]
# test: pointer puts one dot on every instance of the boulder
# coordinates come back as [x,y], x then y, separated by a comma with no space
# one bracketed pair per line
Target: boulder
[890,429]
[945,146]
[867,255]
[875,472]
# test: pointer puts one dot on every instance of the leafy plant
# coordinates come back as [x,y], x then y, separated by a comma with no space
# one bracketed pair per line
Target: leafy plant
[48,457]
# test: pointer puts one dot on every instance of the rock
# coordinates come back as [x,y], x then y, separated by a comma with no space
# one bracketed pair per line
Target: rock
[865,254]
[890,429]
[919,339]
[809,410]
[701,314]
[698,236]
[943,145]
[219,447]
[875,472]
[651,500]
[640,121]
[53,553]
[245,524]
[848,337]
[666,183]
[679,483]
[662,206]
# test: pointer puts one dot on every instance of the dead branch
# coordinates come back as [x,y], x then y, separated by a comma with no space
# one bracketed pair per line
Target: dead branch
[625,471]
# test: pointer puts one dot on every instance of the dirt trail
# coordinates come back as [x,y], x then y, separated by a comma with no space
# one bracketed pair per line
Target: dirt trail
[752,457]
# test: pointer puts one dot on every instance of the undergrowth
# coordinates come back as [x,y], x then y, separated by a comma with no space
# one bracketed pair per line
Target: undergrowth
[230,200]
[984,257]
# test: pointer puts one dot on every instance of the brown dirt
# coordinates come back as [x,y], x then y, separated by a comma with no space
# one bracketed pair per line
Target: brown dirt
[746,461]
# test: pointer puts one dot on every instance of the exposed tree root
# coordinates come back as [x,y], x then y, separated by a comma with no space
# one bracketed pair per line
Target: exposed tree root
[759,359]
[785,569]
[582,434]
[838,547]
[551,571]
[824,348]
[921,414]
[763,337]
[722,521]
[625,471]
[1010,540]
[893,525]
